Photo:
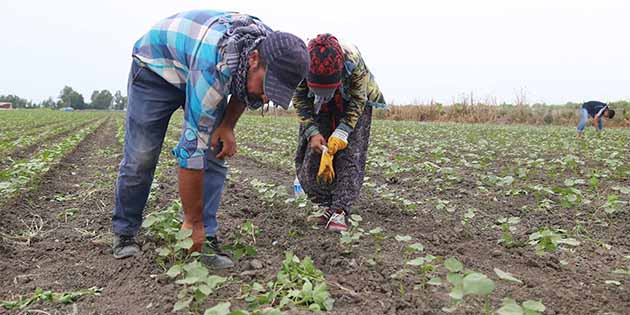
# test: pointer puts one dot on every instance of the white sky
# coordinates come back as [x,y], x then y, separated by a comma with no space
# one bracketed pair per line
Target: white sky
[554,50]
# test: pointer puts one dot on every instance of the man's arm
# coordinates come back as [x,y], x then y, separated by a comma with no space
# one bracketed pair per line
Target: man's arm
[596,122]
[225,131]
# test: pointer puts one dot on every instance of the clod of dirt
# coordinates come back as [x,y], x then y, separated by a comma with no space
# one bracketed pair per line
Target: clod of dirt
[255,264]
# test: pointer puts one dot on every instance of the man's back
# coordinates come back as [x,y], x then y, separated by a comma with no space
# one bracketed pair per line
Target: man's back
[594,107]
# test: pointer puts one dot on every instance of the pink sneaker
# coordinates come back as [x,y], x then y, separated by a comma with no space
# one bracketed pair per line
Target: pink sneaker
[337,221]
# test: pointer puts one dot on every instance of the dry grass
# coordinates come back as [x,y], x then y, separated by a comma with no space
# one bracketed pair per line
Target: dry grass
[567,115]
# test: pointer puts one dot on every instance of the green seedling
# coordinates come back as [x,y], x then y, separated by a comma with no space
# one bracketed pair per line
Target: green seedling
[224,309]
[67,213]
[549,239]
[353,234]
[379,237]
[298,284]
[465,283]
[508,226]
[197,284]
[244,240]
[49,296]
[613,204]
[423,267]
[529,307]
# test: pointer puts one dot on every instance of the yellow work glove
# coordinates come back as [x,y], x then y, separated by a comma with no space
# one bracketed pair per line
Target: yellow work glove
[336,142]
[326,171]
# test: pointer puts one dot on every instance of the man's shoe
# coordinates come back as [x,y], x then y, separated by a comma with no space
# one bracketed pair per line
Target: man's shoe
[214,257]
[125,246]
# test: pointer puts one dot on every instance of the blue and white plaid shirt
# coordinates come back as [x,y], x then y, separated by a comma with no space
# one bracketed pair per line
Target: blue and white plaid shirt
[183,49]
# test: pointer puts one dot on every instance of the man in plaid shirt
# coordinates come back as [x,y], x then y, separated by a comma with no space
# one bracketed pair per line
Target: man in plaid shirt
[196,60]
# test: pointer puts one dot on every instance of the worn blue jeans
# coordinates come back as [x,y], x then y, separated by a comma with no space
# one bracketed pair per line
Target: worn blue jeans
[152,101]
[584,120]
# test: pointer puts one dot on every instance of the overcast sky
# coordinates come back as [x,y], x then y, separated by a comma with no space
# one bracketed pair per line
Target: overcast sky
[553,51]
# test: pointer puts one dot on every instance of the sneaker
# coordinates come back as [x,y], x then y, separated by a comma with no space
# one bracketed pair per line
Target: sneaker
[214,257]
[323,218]
[337,222]
[125,246]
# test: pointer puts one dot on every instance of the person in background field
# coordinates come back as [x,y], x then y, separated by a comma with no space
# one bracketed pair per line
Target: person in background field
[597,110]
[334,104]
[196,60]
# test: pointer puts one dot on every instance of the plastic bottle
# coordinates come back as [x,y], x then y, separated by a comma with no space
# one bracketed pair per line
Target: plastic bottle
[297,188]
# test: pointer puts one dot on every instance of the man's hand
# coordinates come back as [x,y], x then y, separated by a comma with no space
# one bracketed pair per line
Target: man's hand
[317,142]
[225,132]
[226,136]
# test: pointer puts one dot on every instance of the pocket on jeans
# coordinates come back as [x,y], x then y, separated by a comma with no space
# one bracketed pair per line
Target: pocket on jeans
[136,70]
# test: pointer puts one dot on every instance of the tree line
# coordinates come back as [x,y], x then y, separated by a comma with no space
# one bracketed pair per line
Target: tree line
[68,97]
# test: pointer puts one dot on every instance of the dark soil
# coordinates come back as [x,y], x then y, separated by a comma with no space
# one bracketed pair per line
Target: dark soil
[74,253]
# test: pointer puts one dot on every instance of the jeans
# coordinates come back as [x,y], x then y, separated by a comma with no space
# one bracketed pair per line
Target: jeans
[584,120]
[151,103]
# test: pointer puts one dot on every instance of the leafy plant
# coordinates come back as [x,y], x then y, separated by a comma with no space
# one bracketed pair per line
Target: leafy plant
[243,241]
[424,269]
[613,204]
[224,309]
[465,283]
[508,226]
[197,281]
[529,307]
[298,283]
[354,232]
[548,240]
[49,296]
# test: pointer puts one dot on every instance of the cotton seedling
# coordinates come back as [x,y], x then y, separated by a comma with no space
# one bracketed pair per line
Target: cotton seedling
[243,241]
[49,296]
[68,213]
[529,307]
[613,204]
[465,283]
[223,308]
[379,237]
[468,216]
[298,283]
[269,193]
[423,267]
[508,226]
[197,284]
[549,239]
[353,234]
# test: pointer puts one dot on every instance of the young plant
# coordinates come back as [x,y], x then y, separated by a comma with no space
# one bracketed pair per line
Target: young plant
[467,283]
[613,204]
[508,226]
[298,283]
[198,284]
[243,241]
[549,239]
[529,307]
[379,237]
[424,268]
[353,234]
[49,296]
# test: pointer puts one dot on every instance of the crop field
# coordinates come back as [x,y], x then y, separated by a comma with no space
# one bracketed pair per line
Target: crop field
[452,218]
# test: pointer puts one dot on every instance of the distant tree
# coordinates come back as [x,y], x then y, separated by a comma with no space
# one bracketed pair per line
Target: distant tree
[17,101]
[71,98]
[48,103]
[120,101]
[101,100]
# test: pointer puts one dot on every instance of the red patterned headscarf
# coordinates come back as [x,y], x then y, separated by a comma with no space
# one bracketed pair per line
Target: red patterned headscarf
[326,62]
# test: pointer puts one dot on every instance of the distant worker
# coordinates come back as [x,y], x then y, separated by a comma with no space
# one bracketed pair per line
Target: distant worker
[597,110]
[334,104]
